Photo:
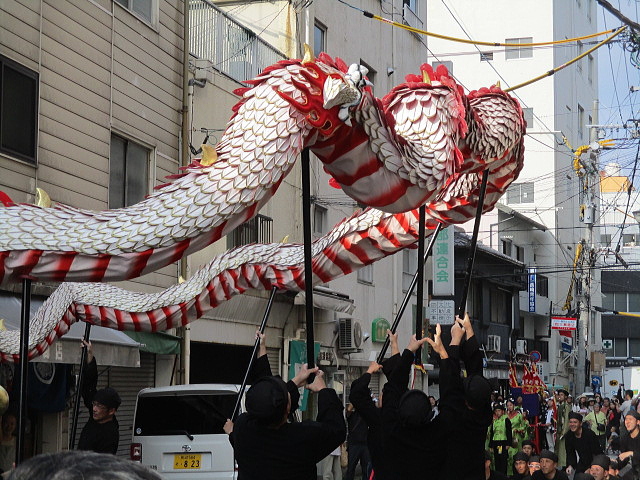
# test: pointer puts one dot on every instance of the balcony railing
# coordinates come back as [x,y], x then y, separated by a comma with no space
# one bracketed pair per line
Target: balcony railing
[257,230]
[232,48]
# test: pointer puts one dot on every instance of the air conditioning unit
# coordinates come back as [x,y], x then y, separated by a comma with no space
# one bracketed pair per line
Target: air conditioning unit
[349,335]
[493,343]
[521,347]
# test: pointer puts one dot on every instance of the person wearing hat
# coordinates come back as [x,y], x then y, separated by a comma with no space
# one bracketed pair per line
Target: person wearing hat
[549,468]
[413,435]
[101,433]
[581,444]
[550,425]
[600,467]
[534,464]
[630,443]
[528,448]
[464,402]
[266,446]
[360,397]
[563,408]
[500,438]
[520,467]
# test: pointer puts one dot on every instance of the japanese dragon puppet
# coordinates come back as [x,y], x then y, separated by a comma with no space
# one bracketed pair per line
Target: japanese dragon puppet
[426,142]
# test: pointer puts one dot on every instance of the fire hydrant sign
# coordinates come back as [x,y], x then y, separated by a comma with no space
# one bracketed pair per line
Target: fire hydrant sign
[442,260]
[564,323]
[442,312]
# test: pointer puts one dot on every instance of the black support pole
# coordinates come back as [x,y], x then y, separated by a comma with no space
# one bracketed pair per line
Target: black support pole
[24,364]
[474,242]
[78,400]
[263,325]
[308,272]
[420,286]
[407,296]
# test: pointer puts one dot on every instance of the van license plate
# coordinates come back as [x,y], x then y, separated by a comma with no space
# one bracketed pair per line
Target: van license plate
[191,461]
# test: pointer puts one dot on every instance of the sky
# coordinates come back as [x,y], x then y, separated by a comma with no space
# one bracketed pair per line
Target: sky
[617,75]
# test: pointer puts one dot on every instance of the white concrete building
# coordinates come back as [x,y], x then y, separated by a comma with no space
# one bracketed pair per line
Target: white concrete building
[539,220]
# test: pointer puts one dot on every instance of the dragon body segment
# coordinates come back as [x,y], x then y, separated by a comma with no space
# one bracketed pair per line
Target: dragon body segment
[394,154]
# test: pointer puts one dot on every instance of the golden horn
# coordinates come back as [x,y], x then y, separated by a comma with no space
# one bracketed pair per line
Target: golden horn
[498,84]
[308,54]
[285,239]
[425,77]
[209,155]
[42,198]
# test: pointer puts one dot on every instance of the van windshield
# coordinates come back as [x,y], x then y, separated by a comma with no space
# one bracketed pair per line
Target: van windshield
[183,414]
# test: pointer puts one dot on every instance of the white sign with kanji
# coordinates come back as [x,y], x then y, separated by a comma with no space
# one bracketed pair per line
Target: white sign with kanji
[442,261]
[442,312]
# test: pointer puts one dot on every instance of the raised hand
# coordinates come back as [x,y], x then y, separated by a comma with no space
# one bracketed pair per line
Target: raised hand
[301,378]
[262,348]
[414,344]
[89,350]
[393,340]
[318,383]
[436,343]
[457,332]
[374,367]
[466,324]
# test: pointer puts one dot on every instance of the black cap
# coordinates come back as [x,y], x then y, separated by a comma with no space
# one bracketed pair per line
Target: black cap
[602,461]
[534,458]
[108,397]
[497,406]
[550,455]
[477,391]
[521,456]
[527,442]
[562,390]
[267,400]
[633,413]
[576,416]
[414,409]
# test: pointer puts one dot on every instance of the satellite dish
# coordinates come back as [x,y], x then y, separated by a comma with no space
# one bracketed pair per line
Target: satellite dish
[357,334]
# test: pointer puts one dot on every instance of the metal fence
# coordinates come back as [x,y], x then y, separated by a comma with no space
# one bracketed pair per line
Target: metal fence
[232,48]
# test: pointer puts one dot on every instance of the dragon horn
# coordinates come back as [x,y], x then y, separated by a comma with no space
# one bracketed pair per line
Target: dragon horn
[285,239]
[42,198]
[209,155]
[308,54]
[425,77]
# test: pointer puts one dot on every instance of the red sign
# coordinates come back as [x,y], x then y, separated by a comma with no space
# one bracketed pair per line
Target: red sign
[564,323]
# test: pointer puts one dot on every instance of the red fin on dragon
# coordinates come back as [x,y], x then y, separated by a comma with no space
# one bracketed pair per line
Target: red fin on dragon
[426,142]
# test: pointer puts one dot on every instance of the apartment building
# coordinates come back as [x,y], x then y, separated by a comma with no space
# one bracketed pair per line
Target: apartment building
[91,100]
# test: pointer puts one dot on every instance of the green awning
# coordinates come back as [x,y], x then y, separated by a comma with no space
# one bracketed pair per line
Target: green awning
[159,342]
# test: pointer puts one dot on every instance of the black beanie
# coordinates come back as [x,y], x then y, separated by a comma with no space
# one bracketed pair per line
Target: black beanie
[477,391]
[633,413]
[583,476]
[550,455]
[575,415]
[267,400]
[534,459]
[108,397]
[414,409]
[521,456]
[602,461]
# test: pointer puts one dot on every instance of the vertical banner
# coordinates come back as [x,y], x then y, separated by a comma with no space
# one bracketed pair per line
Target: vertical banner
[442,261]
[297,358]
[532,289]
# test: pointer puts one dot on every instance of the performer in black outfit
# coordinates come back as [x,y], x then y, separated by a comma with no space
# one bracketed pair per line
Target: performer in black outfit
[266,446]
[413,435]
[465,404]
[630,443]
[102,431]
[581,444]
[360,397]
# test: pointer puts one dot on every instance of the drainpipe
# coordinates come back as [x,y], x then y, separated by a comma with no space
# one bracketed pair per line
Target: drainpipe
[185,357]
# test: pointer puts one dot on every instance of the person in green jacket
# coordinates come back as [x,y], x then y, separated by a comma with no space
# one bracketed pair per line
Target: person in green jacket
[562,425]
[500,438]
[519,429]
[598,424]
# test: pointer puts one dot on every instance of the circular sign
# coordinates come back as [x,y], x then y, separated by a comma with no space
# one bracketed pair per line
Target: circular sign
[613,383]
[535,356]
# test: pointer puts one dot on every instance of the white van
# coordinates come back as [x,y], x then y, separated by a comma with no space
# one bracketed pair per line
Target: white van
[178,431]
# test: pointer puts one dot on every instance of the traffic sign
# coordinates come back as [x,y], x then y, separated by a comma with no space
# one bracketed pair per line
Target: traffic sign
[535,356]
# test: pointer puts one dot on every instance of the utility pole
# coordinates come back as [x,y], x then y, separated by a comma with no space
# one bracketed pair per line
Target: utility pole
[591,188]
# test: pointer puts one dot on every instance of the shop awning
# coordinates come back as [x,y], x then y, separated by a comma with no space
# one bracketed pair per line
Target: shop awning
[111,347]
[160,343]
[327,299]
